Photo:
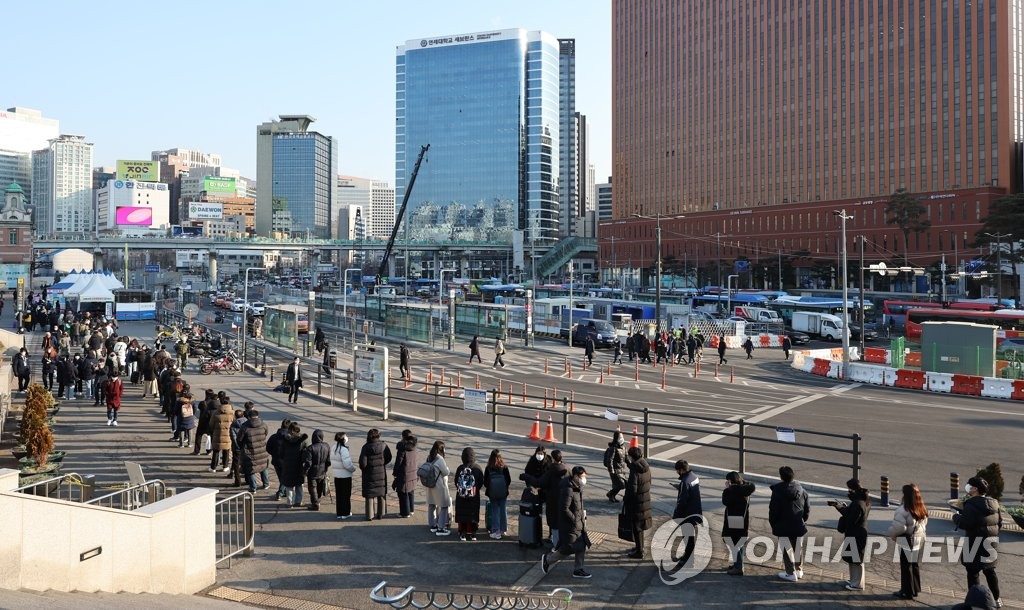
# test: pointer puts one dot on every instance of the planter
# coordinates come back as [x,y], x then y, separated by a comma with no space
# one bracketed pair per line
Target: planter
[1018,519]
[48,469]
[55,457]
[46,490]
[19,452]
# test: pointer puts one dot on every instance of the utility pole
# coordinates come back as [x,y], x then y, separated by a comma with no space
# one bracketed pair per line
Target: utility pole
[999,263]
[863,324]
[846,313]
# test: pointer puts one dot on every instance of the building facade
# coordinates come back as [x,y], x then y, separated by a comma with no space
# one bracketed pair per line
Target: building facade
[173,163]
[127,207]
[15,238]
[22,131]
[767,112]
[375,200]
[295,169]
[62,186]
[488,105]
[604,200]
[568,143]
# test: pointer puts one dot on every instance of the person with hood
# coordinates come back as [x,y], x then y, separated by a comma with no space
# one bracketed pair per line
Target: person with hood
[736,525]
[978,598]
[292,475]
[316,460]
[748,347]
[438,496]
[112,392]
[853,524]
[496,482]
[549,483]
[474,349]
[572,524]
[980,520]
[236,454]
[636,502]
[468,481]
[909,527]
[220,436]
[275,449]
[721,350]
[373,458]
[788,511]
[252,444]
[615,462]
[186,418]
[319,340]
[403,474]
[343,469]
[207,410]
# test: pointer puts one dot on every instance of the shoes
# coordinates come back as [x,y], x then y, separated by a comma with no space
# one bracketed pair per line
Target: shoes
[294,506]
[172,439]
[313,507]
[902,595]
[211,470]
[443,532]
[799,573]
[634,555]
[788,576]
[223,469]
[734,571]
[115,423]
[999,603]
[343,517]
[581,574]
[340,517]
[180,445]
[851,587]
[544,565]
[433,530]
[188,444]
[264,486]
[462,537]
[110,422]
[495,535]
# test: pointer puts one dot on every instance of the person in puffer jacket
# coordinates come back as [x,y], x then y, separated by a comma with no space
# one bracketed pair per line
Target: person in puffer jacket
[980,520]
[316,459]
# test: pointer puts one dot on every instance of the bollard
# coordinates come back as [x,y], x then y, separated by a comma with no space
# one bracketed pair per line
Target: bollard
[716,371]
[663,377]
[426,383]
[732,374]
[406,386]
[572,401]
[954,486]
[565,365]
[510,392]
[883,491]
[451,387]
[570,371]
[545,366]
[545,398]
[460,379]
[442,375]
[636,370]
[601,378]
[478,382]
[696,370]
[583,367]
[271,374]
[430,376]
[524,391]
[610,369]
[554,397]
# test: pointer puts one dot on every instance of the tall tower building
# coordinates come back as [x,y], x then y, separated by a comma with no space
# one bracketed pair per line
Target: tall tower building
[488,105]
[295,172]
[568,143]
[23,130]
[62,186]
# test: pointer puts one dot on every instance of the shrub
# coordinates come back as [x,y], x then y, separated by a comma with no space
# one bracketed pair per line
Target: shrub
[993,475]
[34,432]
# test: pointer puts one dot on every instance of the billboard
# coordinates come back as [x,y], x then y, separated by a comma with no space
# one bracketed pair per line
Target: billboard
[141,217]
[205,210]
[10,273]
[141,171]
[180,231]
[222,187]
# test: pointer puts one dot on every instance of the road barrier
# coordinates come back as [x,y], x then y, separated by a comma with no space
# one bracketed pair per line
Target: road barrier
[940,382]
[968,385]
[997,388]
[913,380]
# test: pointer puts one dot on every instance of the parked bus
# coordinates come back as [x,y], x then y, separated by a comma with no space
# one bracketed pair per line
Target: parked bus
[720,303]
[787,305]
[1004,319]
[894,313]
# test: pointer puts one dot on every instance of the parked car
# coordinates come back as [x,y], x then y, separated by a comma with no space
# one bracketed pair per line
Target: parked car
[257,308]
[238,305]
[797,337]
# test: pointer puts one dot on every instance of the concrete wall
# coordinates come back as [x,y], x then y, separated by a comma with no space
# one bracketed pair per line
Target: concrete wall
[166,547]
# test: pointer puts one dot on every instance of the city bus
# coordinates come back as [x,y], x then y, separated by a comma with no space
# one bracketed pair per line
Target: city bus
[1005,319]
[894,312]
[787,305]
[721,303]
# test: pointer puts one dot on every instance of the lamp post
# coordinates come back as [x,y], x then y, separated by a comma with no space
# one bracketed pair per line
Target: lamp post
[956,262]
[440,302]
[570,300]
[846,313]
[999,263]
[344,291]
[245,310]
[657,265]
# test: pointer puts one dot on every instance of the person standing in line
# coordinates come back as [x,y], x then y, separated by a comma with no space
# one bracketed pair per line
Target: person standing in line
[316,460]
[615,462]
[980,520]
[403,474]
[496,481]
[468,479]
[344,468]
[208,409]
[275,449]
[908,529]
[293,377]
[572,524]
[689,508]
[66,374]
[236,454]
[292,475]
[252,443]
[748,346]
[220,436]
[112,391]
[787,344]
[736,526]
[438,496]
[186,418]
[474,350]
[373,458]
[549,483]
[853,525]
[403,361]
[788,511]
[721,350]
[499,351]
[636,502]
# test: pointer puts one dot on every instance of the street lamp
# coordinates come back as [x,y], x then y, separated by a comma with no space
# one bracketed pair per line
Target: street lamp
[846,313]
[344,297]
[956,258]
[999,263]
[657,269]
[440,302]
[245,309]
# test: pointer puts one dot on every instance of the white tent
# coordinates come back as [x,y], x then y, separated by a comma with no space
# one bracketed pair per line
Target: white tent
[90,289]
[111,281]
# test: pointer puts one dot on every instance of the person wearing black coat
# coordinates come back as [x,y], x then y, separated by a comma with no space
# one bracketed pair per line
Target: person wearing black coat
[316,459]
[293,377]
[636,502]
[980,519]
[292,475]
[373,458]
[49,370]
[688,502]
[67,373]
[721,350]
[572,524]
[403,475]
[22,369]
[736,525]
[550,483]
[148,372]
[853,524]
[788,511]
[467,507]
[252,441]
[537,465]
[275,448]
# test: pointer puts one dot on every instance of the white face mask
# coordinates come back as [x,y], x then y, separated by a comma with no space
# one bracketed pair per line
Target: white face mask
[539,456]
[968,488]
[583,481]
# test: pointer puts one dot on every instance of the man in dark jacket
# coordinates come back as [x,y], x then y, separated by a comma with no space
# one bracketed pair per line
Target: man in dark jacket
[788,510]
[688,502]
[316,459]
[22,369]
[403,361]
[980,520]
[572,524]
[252,444]
[550,482]
[637,499]
[275,449]
[615,462]
[403,475]
[66,375]
[236,455]
[293,377]
[292,475]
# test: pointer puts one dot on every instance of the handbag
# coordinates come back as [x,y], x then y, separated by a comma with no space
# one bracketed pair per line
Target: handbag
[625,526]
[734,522]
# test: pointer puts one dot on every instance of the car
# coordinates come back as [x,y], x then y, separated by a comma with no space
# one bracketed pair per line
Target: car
[257,308]
[869,334]
[302,324]
[238,305]
[797,338]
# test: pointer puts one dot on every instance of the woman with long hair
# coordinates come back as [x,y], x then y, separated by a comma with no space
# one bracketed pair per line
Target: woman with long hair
[736,499]
[908,529]
[439,499]
[373,458]
[497,481]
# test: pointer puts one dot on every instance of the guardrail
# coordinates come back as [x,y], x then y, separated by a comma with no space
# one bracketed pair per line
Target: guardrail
[236,526]
[559,599]
[69,486]
[134,497]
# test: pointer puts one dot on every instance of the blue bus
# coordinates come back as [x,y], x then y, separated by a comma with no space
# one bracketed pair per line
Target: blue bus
[722,303]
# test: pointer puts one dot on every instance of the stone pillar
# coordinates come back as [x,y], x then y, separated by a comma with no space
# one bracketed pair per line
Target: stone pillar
[213,269]
[97,259]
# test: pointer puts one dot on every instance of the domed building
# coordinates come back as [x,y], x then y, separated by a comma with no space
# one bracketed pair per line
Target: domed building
[15,238]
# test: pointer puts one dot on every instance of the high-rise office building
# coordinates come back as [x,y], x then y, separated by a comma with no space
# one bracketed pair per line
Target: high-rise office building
[62,186]
[488,105]
[757,119]
[174,162]
[375,200]
[569,140]
[23,130]
[295,173]
[604,200]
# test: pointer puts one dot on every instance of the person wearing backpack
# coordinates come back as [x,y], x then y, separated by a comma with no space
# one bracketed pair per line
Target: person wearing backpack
[615,462]
[186,418]
[468,480]
[404,473]
[438,496]
[497,481]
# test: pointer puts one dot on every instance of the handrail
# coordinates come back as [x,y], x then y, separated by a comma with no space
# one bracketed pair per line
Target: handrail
[558,599]
[72,478]
[131,498]
[235,526]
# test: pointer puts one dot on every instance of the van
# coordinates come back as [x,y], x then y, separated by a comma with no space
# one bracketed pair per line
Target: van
[601,331]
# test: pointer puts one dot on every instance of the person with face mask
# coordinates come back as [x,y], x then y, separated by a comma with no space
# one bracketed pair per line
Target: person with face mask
[615,462]
[853,525]
[572,524]
[343,467]
[637,499]
[980,520]
[549,483]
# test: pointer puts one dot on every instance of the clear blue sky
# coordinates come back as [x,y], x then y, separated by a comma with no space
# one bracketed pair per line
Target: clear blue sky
[134,77]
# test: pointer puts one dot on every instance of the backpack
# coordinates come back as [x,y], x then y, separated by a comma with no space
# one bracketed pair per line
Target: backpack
[609,453]
[465,484]
[186,409]
[497,486]
[428,475]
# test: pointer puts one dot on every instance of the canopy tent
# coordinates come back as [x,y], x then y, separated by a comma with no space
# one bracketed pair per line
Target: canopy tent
[90,289]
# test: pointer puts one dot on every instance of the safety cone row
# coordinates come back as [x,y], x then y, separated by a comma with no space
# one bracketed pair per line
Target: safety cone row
[549,434]
[535,430]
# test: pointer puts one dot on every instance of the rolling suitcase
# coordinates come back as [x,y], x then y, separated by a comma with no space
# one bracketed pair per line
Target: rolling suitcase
[531,519]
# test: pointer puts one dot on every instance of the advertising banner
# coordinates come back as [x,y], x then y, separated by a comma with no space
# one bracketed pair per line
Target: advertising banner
[10,273]
[205,210]
[140,217]
[142,171]
[222,187]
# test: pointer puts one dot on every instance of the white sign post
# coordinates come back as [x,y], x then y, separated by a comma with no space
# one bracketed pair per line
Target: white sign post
[370,374]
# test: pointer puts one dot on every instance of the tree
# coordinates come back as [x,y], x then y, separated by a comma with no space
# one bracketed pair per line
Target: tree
[1005,217]
[906,212]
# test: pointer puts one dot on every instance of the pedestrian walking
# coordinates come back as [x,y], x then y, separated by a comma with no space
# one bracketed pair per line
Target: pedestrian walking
[909,527]
[617,358]
[403,361]
[572,525]
[748,346]
[319,340]
[220,436]
[549,484]
[636,502]
[499,351]
[49,370]
[496,481]
[373,458]
[735,528]
[468,480]
[316,460]
[439,499]
[788,511]
[853,525]
[721,350]
[252,443]
[474,349]
[631,347]
[691,348]
[403,474]
[22,369]
[615,463]
[787,344]
[293,377]
[112,392]
[588,350]
[292,475]
[343,468]
[980,521]
[67,373]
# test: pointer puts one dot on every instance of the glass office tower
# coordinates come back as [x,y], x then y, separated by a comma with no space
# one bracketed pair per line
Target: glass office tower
[488,105]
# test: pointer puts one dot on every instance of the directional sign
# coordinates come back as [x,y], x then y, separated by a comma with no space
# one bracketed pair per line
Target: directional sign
[152,268]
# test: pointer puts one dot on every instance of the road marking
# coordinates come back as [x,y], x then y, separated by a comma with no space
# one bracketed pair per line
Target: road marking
[713,438]
[845,387]
[674,439]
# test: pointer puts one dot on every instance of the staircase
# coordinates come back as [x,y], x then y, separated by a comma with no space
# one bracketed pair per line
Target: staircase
[564,251]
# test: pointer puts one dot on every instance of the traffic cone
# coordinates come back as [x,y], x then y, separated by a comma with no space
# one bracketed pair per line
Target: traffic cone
[535,430]
[635,441]
[601,378]
[478,382]
[549,434]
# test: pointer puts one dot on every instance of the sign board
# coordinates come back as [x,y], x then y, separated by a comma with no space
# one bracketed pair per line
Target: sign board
[785,435]
[475,400]
[191,310]
[10,273]
[21,293]
[221,187]
[143,171]
[205,210]
[152,268]
[369,365]
[134,216]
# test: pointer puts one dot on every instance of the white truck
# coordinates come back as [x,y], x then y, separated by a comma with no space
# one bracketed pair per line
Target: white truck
[824,325]
[758,314]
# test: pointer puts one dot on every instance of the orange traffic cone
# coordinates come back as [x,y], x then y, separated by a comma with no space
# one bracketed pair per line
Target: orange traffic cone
[635,441]
[549,434]
[535,430]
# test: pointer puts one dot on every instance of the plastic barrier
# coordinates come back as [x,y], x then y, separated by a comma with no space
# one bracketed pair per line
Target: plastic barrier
[764,340]
[876,355]
[968,385]
[914,380]
[1018,390]
[862,373]
[939,382]
[913,359]
[835,370]
[997,388]
[821,367]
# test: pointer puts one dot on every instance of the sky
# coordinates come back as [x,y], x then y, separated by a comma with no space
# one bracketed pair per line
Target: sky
[134,77]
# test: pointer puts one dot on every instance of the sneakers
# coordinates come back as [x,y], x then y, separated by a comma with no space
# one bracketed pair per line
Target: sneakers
[788,576]
[223,469]
[581,574]
[211,470]
[110,422]
[261,486]
[115,423]
[443,532]
[852,587]
[188,445]
[495,535]
[799,573]
[462,537]
[999,603]
[433,530]
[544,565]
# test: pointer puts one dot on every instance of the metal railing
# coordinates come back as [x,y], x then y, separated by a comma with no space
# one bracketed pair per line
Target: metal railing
[134,497]
[559,599]
[70,486]
[235,526]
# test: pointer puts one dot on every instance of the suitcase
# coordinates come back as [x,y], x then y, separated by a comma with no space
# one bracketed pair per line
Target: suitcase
[531,519]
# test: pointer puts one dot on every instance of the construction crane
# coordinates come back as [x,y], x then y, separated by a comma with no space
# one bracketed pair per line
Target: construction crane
[383,269]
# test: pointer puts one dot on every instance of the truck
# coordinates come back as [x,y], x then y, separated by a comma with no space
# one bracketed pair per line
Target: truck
[824,325]
[758,314]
